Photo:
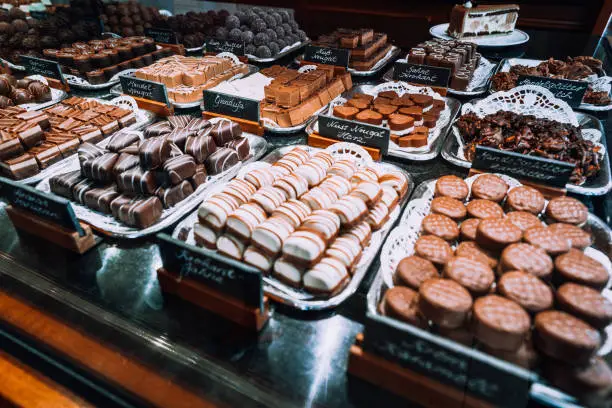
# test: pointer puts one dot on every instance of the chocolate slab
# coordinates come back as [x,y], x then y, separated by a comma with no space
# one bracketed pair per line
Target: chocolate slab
[89,151]
[200,147]
[221,160]
[137,181]
[175,194]
[225,131]
[154,152]
[100,168]
[99,198]
[19,167]
[140,212]
[62,184]
[122,139]
[180,168]
[125,162]
[241,146]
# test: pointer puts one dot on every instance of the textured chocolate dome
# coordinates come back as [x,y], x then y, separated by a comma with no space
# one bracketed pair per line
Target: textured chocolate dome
[40,91]
[5,102]
[20,26]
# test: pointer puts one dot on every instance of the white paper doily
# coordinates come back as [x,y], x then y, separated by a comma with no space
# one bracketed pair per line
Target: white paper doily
[524,100]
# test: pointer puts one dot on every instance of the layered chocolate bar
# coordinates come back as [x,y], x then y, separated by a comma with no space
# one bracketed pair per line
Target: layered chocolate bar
[366,46]
[482,20]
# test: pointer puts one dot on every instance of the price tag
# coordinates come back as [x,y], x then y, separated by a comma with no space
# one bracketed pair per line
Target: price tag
[540,170]
[217,46]
[161,35]
[141,88]
[483,377]
[354,132]
[218,272]
[421,74]
[224,104]
[329,56]
[48,206]
[46,68]
[571,92]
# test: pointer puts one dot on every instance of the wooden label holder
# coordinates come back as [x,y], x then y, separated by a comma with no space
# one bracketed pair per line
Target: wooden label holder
[159,108]
[57,84]
[49,231]
[213,282]
[406,383]
[247,125]
[178,49]
[316,140]
[214,301]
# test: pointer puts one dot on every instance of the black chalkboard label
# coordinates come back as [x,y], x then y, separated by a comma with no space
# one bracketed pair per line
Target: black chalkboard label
[46,68]
[218,272]
[161,35]
[564,89]
[421,74]
[540,170]
[329,56]
[217,46]
[354,132]
[230,105]
[142,88]
[39,15]
[44,205]
[479,375]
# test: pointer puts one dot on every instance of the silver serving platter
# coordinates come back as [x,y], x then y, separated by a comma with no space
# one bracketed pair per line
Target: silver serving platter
[143,118]
[285,51]
[540,391]
[506,64]
[107,225]
[432,152]
[477,88]
[594,186]
[516,37]
[300,299]
[117,90]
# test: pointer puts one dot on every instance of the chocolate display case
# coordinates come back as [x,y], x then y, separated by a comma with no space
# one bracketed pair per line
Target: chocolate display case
[443,357]
[591,129]
[280,290]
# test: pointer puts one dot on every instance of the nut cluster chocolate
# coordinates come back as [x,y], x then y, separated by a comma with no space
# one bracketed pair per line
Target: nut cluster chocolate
[528,294]
[293,97]
[527,134]
[366,46]
[460,57]
[129,18]
[99,60]
[32,141]
[21,35]
[410,117]
[134,179]
[576,68]
[186,77]
[306,219]
[17,92]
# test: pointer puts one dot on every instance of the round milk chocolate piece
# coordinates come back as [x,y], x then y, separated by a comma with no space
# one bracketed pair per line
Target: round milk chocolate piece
[526,356]
[468,229]
[525,198]
[500,323]
[546,239]
[401,303]
[433,249]
[578,237]
[477,277]
[592,379]
[564,337]
[568,210]
[575,266]
[444,302]
[484,209]
[585,303]
[472,250]
[440,226]
[451,186]
[496,233]
[413,270]
[448,206]
[489,187]
[528,258]
[527,290]
[523,219]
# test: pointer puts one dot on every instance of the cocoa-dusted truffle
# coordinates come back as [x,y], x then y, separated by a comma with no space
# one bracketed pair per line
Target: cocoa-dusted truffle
[261,39]
[31,42]
[263,52]
[6,28]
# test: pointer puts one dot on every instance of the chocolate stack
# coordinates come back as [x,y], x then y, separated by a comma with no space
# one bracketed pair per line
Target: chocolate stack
[187,77]
[306,219]
[460,57]
[410,117]
[366,46]
[99,60]
[488,273]
[527,134]
[293,97]
[135,179]
[21,91]
[32,141]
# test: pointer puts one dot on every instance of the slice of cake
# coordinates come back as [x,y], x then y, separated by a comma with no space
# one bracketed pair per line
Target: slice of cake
[482,20]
